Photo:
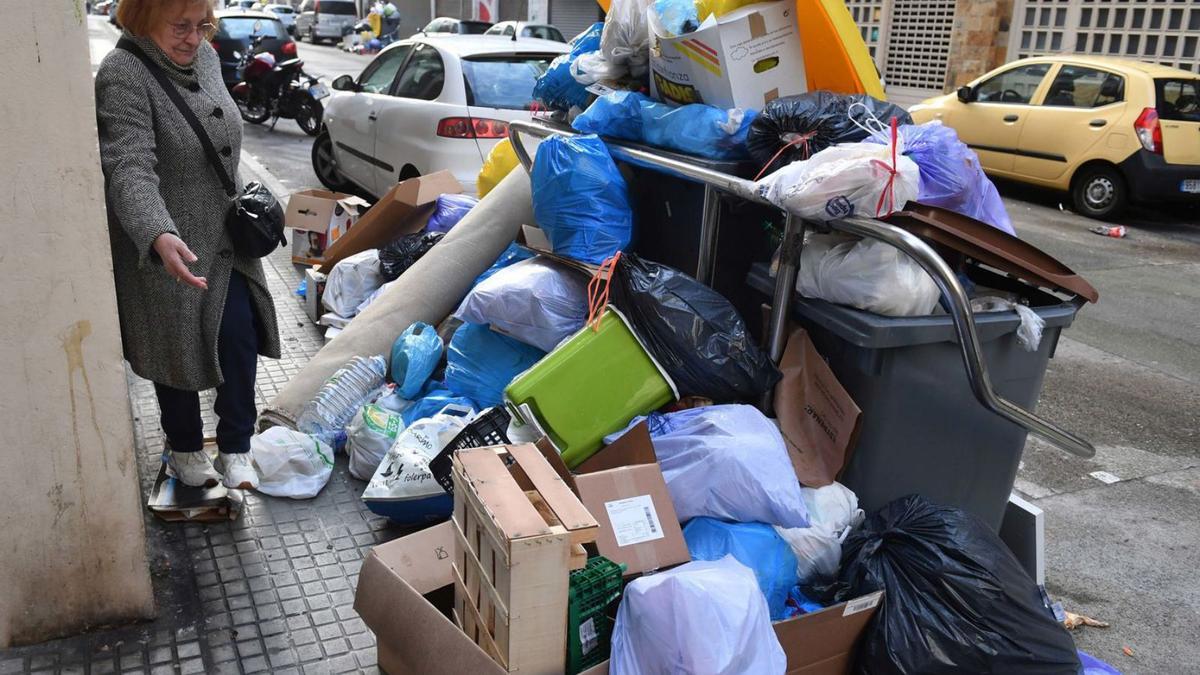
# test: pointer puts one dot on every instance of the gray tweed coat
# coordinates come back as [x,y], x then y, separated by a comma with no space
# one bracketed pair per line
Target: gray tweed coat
[157,180]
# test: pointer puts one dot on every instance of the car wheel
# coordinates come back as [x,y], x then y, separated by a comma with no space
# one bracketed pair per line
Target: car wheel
[325,165]
[1099,191]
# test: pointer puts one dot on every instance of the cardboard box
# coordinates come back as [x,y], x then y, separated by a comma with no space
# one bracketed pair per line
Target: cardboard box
[320,218]
[405,593]
[741,60]
[405,209]
[623,487]
[314,288]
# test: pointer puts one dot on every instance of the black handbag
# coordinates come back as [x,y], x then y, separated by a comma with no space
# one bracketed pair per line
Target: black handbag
[255,219]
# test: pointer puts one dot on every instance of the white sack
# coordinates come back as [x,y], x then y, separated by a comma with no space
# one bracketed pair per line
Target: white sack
[534,301]
[404,471]
[832,511]
[369,437]
[866,274]
[351,282]
[843,180]
[290,463]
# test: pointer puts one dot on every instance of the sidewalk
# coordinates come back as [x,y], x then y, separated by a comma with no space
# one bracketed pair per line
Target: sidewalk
[270,592]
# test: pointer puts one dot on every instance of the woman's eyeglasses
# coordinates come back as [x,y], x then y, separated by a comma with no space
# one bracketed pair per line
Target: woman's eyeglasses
[185,29]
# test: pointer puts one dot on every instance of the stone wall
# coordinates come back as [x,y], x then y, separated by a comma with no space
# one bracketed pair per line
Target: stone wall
[979,42]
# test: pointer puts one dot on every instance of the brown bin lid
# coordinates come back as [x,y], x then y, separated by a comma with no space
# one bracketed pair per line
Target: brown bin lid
[992,247]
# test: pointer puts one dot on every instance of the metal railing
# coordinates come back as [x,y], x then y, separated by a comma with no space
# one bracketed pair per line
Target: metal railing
[959,305]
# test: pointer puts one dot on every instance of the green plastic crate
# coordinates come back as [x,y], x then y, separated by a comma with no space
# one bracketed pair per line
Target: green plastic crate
[591,386]
[589,628]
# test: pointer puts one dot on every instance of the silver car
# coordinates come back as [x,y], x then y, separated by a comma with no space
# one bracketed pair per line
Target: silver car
[325,19]
[286,14]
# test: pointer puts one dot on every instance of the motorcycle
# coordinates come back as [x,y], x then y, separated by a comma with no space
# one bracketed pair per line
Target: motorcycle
[270,90]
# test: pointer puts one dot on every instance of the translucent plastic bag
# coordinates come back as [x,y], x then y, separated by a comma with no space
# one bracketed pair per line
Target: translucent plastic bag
[702,617]
[756,546]
[677,17]
[855,178]
[580,199]
[415,355]
[432,399]
[695,129]
[481,362]
[832,511]
[866,274]
[511,255]
[727,462]
[351,282]
[370,434]
[450,209]
[535,301]
[500,160]
[290,463]
[626,40]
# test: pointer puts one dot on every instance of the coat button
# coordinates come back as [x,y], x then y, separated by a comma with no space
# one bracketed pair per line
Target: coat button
[218,113]
[227,151]
[194,86]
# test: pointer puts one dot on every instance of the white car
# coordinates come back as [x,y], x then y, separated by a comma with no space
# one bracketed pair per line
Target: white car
[427,104]
[286,14]
[526,30]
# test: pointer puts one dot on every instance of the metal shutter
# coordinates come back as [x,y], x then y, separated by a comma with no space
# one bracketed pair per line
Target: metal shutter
[918,45]
[572,17]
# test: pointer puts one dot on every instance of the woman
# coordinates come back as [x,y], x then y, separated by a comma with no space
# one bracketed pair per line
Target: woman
[194,315]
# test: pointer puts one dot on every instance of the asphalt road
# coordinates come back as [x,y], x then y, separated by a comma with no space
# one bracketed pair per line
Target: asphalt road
[1126,376]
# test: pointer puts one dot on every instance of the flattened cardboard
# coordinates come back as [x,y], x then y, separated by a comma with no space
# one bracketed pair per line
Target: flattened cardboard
[623,470]
[818,419]
[320,218]
[173,501]
[405,209]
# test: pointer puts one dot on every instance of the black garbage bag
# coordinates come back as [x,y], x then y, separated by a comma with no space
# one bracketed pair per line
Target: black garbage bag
[403,253]
[823,115]
[956,601]
[692,331]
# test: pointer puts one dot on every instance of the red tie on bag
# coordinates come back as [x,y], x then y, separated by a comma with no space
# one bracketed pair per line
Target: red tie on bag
[801,140]
[598,288]
[889,190]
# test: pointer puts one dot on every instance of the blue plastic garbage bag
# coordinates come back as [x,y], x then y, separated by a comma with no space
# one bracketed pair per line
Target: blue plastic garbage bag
[510,256]
[481,362]
[677,16]
[951,176]
[798,603]
[449,210]
[727,462]
[415,354]
[1094,666]
[433,398]
[556,87]
[580,199]
[695,129]
[755,545]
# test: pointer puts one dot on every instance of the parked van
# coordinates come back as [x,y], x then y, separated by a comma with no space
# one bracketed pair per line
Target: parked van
[325,19]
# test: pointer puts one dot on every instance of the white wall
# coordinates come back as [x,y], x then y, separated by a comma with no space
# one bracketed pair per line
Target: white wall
[72,546]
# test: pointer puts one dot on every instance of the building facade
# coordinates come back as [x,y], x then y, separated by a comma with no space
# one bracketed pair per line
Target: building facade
[925,47]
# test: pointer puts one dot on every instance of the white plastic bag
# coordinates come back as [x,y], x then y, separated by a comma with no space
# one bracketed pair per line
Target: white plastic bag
[404,472]
[832,511]
[290,463]
[534,301]
[625,42]
[866,274]
[369,437]
[727,462]
[352,281]
[702,618]
[843,180]
[1029,333]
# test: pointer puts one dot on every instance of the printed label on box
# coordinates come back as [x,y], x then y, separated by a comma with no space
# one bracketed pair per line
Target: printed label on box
[634,520]
[588,640]
[862,604]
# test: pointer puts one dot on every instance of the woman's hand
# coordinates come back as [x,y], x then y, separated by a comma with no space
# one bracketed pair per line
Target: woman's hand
[176,257]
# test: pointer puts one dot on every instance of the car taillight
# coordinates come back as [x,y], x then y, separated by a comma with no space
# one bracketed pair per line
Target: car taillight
[1149,131]
[289,49]
[467,127]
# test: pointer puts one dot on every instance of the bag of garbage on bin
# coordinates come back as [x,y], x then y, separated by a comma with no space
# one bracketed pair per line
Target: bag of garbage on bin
[755,545]
[290,463]
[701,617]
[535,301]
[580,199]
[499,161]
[951,176]
[727,462]
[402,488]
[556,88]
[692,331]
[625,42]
[449,209]
[351,282]
[432,399]
[856,178]
[370,434]
[794,128]
[695,129]
[415,355]
[867,274]
[832,511]
[957,599]
[481,362]
[403,253]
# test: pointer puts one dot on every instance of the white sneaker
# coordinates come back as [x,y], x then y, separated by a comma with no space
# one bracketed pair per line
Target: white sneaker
[239,471]
[193,469]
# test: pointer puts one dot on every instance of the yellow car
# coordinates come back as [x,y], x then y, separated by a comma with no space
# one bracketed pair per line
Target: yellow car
[1109,131]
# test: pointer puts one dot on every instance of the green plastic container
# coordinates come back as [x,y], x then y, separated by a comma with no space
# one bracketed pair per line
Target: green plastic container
[591,386]
[589,628]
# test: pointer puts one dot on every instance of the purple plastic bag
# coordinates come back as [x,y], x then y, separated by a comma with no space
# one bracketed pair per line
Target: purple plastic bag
[449,210]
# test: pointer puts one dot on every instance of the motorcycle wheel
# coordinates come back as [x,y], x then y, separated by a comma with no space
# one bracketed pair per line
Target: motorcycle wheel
[253,110]
[308,116]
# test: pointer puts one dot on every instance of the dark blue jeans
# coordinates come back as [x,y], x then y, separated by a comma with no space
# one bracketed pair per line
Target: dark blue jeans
[237,352]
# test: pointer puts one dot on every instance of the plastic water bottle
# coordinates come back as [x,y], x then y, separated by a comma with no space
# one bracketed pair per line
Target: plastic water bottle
[347,390]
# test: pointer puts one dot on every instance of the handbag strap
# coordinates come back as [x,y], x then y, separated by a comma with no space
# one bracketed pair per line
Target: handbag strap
[173,93]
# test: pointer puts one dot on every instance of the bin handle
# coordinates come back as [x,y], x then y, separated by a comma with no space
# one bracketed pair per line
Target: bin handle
[911,245]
